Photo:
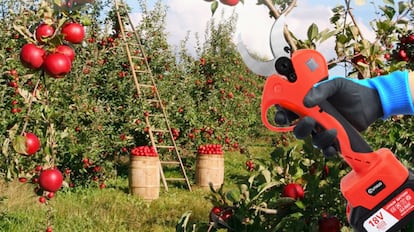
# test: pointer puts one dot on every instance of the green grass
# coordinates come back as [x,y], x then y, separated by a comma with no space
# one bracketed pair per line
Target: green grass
[112,208]
[93,209]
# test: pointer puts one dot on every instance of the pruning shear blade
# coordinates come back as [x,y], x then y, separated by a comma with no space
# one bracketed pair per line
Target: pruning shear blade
[261,68]
[278,45]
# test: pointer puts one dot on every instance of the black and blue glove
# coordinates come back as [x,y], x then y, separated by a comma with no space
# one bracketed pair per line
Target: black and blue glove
[361,102]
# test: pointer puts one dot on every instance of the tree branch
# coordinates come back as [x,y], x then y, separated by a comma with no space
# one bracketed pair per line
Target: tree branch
[290,7]
[265,210]
[348,10]
[276,14]
[273,11]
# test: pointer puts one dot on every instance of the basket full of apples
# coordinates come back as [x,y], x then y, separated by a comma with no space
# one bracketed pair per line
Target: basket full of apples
[210,166]
[144,172]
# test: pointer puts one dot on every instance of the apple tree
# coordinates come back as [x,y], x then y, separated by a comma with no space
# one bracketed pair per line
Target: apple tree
[89,117]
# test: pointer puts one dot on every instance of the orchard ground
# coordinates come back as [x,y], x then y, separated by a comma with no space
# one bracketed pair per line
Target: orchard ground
[113,208]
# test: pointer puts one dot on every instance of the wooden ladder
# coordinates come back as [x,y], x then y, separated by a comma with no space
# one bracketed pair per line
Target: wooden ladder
[148,93]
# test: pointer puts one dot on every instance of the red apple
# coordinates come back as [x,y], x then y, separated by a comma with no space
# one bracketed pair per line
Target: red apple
[42,199]
[329,224]
[57,65]
[32,56]
[359,59]
[67,51]
[410,38]
[230,2]
[294,191]
[32,143]
[215,211]
[403,55]
[50,195]
[227,215]
[51,180]
[73,32]
[44,31]
[13,72]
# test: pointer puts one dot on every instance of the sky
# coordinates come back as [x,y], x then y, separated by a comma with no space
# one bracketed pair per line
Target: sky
[254,24]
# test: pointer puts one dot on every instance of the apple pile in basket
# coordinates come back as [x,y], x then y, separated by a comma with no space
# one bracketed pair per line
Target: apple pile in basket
[144,151]
[210,149]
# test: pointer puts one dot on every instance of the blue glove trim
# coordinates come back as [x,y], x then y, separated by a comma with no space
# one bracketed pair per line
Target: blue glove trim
[394,92]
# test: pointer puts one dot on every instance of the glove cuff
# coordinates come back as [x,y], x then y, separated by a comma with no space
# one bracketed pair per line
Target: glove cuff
[394,92]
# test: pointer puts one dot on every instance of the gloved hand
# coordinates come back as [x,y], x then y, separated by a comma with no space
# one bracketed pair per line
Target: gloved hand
[361,102]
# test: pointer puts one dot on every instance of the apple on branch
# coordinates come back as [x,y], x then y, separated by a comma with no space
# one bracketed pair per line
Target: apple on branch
[230,2]
[27,144]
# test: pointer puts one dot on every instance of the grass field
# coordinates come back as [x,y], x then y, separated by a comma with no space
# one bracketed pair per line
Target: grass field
[112,208]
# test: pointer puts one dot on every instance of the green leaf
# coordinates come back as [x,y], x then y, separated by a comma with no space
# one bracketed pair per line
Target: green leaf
[313,32]
[19,144]
[265,187]
[296,215]
[299,173]
[245,192]
[9,174]
[13,131]
[290,217]
[341,38]
[243,188]
[389,2]
[182,223]
[57,2]
[300,204]
[251,179]
[326,34]
[388,11]
[402,6]
[354,31]
[267,175]
[86,20]
[214,7]
[233,195]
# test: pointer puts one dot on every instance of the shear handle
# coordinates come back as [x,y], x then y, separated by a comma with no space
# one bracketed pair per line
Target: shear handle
[358,144]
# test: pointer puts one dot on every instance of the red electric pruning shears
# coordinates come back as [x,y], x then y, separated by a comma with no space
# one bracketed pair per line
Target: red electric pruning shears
[379,189]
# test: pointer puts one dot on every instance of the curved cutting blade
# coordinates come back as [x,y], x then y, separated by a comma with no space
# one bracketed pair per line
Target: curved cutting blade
[261,68]
[278,44]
